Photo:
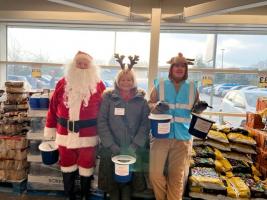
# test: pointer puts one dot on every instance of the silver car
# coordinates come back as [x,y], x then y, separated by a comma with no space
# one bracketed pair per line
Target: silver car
[240,101]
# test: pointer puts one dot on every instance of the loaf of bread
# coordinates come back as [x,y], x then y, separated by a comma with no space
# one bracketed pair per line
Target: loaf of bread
[14,84]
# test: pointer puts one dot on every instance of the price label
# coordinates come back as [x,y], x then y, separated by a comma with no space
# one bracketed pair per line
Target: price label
[36,73]
[207,79]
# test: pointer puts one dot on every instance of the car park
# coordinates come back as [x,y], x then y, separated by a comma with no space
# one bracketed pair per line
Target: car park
[241,101]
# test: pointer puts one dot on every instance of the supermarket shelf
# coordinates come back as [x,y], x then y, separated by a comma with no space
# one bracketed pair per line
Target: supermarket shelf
[34,158]
[45,182]
[37,113]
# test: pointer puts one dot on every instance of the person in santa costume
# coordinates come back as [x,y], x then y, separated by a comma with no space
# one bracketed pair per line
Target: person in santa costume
[71,120]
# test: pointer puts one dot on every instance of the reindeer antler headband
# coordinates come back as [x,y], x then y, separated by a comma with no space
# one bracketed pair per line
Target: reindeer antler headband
[133,60]
[181,58]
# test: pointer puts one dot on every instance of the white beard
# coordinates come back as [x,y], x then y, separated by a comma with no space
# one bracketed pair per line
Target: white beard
[81,84]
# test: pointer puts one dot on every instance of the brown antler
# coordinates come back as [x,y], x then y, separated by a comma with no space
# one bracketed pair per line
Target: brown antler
[119,59]
[133,60]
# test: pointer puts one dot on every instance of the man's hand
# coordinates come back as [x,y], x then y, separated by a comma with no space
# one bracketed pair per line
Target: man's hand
[115,149]
[161,107]
[200,106]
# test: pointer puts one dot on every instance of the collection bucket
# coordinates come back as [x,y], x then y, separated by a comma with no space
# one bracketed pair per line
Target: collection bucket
[199,126]
[34,102]
[49,152]
[160,125]
[44,103]
[123,168]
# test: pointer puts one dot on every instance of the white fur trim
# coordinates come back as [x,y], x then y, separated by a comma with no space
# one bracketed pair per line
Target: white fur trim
[69,169]
[92,141]
[49,133]
[86,171]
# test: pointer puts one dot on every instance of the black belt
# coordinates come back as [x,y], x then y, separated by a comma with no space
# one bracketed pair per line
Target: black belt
[75,126]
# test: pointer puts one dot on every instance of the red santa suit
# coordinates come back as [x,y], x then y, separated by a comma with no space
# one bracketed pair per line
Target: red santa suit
[76,149]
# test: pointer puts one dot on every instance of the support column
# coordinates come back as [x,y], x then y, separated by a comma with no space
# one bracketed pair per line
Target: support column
[3,52]
[154,47]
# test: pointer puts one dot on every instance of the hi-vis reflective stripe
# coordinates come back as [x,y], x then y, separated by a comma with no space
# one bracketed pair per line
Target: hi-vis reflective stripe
[180,106]
[191,94]
[161,90]
[181,120]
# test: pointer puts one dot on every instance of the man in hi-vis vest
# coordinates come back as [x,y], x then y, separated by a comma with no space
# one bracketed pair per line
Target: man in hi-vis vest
[175,96]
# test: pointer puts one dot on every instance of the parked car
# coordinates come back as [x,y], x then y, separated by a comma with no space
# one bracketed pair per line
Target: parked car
[241,101]
[238,87]
[249,87]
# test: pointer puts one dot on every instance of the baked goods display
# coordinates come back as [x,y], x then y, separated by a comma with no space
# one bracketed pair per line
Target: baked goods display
[14,124]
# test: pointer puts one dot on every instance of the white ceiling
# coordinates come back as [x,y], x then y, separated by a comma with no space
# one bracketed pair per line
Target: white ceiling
[172,11]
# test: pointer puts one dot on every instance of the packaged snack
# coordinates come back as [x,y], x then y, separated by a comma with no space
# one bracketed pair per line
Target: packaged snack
[237,188]
[239,138]
[206,178]
[218,154]
[240,166]
[203,162]
[218,136]
[224,129]
[240,130]
[244,148]
[204,152]
[218,145]
[223,165]
[237,156]
[256,187]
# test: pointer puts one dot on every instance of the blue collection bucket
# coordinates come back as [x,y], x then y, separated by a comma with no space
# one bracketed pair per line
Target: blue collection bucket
[49,152]
[199,126]
[44,103]
[123,168]
[160,125]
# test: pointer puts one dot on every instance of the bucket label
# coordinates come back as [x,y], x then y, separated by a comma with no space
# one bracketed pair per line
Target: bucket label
[164,128]
[121,170]
[202,125]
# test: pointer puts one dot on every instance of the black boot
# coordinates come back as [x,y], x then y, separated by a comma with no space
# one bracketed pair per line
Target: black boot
[85,187]
[69,181]
[126,192]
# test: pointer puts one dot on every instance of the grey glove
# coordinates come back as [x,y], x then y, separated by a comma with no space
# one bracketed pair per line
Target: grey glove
[200,106]
[161,107]
[115,149]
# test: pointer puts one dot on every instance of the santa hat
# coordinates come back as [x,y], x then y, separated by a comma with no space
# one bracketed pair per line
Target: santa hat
[180,59]
[83,55]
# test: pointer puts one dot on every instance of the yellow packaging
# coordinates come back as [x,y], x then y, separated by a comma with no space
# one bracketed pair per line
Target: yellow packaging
[223,165]
[218,136]
[218,154]
[241,189]
[229,174]
[239,138]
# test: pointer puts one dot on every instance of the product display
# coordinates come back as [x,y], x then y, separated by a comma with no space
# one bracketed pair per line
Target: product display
[223,167]
[14,124]
[41,177]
